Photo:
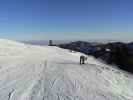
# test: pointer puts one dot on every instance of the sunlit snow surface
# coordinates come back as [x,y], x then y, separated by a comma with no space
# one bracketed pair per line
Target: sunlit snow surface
[30,72]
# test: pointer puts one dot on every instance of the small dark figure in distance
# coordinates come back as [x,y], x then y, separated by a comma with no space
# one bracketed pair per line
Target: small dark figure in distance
[82,59]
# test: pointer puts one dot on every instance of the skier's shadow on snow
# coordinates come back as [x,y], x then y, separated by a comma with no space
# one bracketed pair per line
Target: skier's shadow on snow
[71,63]
[68,63]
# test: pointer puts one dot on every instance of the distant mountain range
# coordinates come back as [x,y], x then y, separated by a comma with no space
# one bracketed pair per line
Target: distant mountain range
[118,53]
[57,42]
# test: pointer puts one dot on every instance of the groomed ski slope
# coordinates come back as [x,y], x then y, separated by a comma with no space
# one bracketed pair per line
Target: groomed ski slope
[30,72]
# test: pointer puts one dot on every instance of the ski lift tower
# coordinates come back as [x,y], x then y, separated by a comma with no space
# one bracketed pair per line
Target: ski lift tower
[50,43]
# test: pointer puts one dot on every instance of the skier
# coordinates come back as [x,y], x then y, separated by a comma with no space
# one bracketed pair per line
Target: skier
[82,59]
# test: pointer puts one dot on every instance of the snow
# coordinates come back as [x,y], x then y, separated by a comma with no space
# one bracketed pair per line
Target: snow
[30,72]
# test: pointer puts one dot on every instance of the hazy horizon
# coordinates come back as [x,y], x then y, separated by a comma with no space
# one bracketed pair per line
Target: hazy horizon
[56,42]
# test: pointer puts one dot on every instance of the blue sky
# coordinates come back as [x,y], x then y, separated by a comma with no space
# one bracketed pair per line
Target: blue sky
[66,19]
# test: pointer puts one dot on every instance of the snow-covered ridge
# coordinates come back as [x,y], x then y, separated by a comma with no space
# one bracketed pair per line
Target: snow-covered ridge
[30,72]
